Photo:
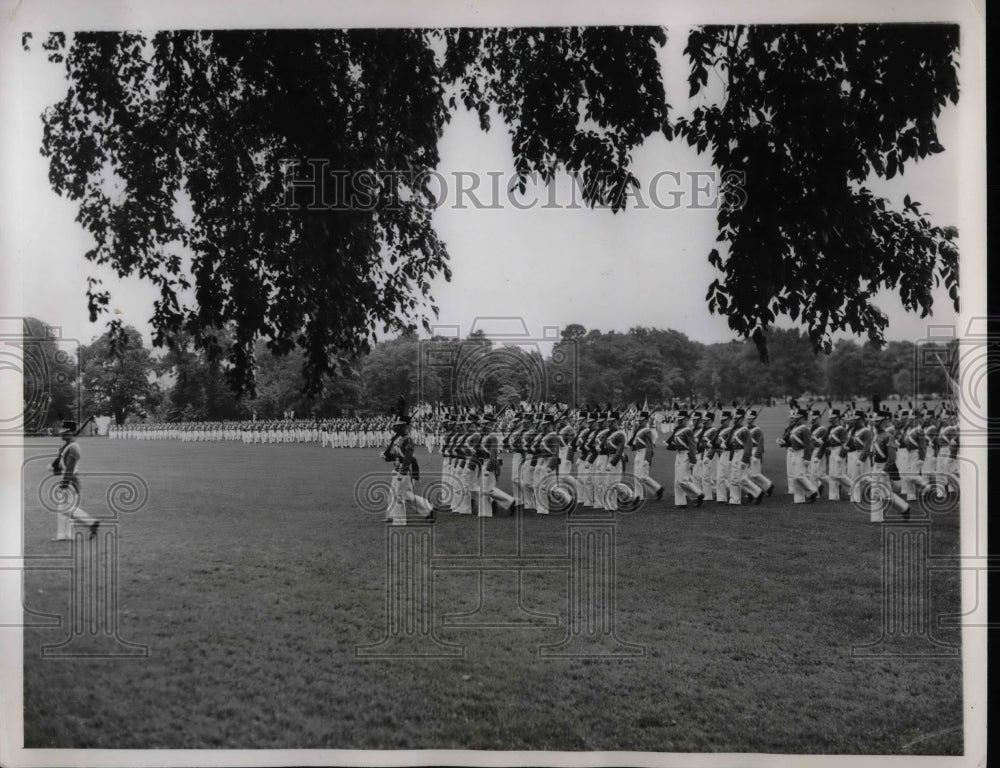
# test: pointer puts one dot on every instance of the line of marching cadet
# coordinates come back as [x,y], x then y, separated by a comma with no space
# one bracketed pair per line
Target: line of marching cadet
[367,432]
[876,459]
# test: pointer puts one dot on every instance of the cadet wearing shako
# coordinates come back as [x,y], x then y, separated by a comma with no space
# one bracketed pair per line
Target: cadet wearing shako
[741,444]
[932,433]
[617,458]
[585,456]
[686,456]
[915,442]
[466,471]
[858,440]
[721,449]
[789,473]
[644,442]
[836,439]
[528,436]
[567,440]
[489,454]
[708,459]
[473,461]
[516,449]
[68,495]
[547,462]
[599,460]
[698,429]
[798,439]
[405,473]
[947,459]
[448,464]
[883,453]
[817,471]
[757,455]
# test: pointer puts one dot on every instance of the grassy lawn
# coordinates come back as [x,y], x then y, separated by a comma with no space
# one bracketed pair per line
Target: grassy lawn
[252,573]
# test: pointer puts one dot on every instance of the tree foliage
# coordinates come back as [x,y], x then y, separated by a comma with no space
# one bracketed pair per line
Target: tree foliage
[809,115]
[172,144]
[48,370]
[116,376]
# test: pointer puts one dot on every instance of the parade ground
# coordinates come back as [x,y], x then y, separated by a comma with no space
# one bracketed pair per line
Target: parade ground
[251,579]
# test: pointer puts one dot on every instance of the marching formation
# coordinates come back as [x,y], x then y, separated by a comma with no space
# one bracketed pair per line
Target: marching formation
[603,459]
[372,432]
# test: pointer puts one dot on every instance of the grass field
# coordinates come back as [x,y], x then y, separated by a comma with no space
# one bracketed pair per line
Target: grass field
[252,573]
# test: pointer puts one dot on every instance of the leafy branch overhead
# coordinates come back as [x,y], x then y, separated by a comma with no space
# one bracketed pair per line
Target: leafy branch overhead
[809,115]
[172,144]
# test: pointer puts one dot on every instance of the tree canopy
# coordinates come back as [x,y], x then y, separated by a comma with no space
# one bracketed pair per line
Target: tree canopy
[171,142]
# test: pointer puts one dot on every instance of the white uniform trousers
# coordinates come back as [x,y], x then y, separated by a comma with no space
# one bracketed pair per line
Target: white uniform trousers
[739,481]
[684,485]
[802,485]
[527,475]
[599,475]
[910,470]
[463,485]
[789,472]
[837,473]
[402,492]
[585,482]
[489,492]
[612,480]
[515,476]
[856,472]
[817,471]
[757,476]
[543,480]
[723,470]
[644,483]
[709,475]
[882,495]
[947,471]
[67,515]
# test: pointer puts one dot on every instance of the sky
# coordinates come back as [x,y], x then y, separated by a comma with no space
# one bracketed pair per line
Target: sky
[531,271]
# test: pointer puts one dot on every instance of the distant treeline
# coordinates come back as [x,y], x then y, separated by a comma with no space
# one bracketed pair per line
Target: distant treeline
[585,366]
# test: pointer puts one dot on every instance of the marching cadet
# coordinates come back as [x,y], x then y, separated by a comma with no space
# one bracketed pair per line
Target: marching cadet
[586,456]
[448,464]
[756,472]
[708,460]
[68,494]
[643,442]
[858,441]
[882,449]
[723,465]
[947,459]
[741,444]
[698,426]
[463,470]
[798,442]
[538,457]
[516,449]
[547,464]
[901,423]
[489,492]
[789,474]
[601,455]
[915,444]
[567,442]
[818,471]
[617,458]
[529,434]
[686,456]
[836,439]
[932,431]
[405,473]
[473,463]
